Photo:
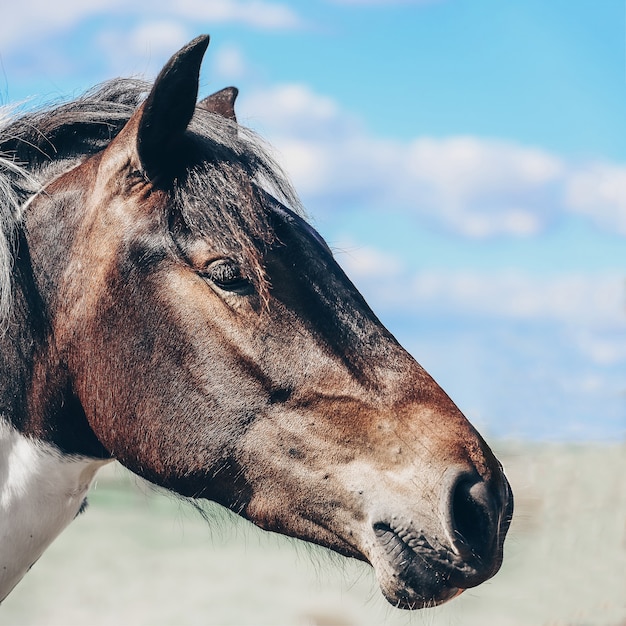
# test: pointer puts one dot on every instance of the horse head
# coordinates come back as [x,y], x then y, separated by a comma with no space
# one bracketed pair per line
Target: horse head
[204,335]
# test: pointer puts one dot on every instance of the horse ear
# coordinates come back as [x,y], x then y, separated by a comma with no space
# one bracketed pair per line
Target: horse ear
[169,108]
[221,103]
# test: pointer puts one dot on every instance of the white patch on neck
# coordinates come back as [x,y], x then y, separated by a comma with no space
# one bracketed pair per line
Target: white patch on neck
[41,492]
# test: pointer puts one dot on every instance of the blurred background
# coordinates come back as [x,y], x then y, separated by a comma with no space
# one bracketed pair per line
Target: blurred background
[466,161]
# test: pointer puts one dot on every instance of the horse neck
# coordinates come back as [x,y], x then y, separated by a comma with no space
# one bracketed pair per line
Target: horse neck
[42,488]
[36,394]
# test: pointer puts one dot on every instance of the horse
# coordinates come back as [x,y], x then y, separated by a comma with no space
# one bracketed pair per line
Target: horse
[165,304]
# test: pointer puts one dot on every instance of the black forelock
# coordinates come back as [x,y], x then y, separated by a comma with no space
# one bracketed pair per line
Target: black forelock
[221,194]
[218,193]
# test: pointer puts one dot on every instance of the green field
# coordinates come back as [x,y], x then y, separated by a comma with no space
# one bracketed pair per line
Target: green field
[138,557]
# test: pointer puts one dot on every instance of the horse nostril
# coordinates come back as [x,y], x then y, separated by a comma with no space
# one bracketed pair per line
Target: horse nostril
[472,518]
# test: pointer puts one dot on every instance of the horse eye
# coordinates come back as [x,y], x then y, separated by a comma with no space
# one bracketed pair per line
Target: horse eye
[226,275]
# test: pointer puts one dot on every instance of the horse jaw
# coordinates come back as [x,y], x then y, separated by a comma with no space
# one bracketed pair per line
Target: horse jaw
[41,492]
[400,510]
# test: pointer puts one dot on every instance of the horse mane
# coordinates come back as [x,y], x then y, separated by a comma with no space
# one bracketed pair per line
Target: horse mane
[218,194]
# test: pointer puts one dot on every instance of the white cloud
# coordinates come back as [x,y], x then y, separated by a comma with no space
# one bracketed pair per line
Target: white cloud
[599,192]
[292,112]
[119,38]
[31,19]
[157,38]
[596,298]
[475,187]
[228,62]
[255,13]
[583,301]
[482,187]
[147,46]
[367,262]
[603,350]
[576,299]
[35,18]
[472,186]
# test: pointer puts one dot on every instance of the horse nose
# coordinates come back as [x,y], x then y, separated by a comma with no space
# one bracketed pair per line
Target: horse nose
[472,514]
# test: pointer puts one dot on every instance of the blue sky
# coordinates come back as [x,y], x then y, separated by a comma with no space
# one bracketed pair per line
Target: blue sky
[466,159]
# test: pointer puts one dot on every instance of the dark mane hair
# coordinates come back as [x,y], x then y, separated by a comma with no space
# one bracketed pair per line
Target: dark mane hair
[217,195]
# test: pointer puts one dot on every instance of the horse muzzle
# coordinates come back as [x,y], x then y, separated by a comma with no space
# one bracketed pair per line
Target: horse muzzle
[424,563]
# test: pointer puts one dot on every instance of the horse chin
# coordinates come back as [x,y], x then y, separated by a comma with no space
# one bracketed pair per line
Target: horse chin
[417,573]
[415,585]
[411,598]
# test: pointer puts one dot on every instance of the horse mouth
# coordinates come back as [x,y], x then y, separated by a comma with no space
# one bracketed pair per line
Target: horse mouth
[416,572]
